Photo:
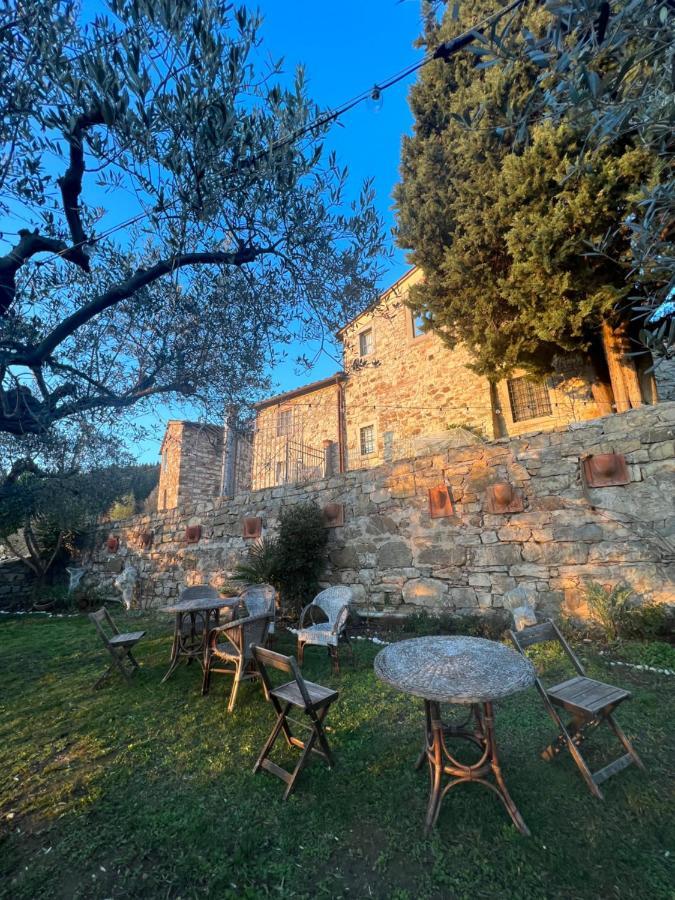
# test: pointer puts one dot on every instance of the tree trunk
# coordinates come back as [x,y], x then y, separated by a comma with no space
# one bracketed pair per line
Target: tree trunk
[622,369]
[601,387]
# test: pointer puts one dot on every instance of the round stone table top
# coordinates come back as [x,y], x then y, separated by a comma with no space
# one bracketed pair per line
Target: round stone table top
[197,605]
[454,669]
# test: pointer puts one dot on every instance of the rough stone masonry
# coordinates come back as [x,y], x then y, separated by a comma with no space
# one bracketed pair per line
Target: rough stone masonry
[399,559]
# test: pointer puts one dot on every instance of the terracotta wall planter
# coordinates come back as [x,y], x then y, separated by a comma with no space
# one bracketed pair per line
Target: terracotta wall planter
[503,498]
[252,527]
[192,534]
[112,544]
[334,515]
[440,502]
[605,470]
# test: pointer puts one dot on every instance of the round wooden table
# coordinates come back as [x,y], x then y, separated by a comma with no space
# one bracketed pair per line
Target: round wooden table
[200,616]
[469,672]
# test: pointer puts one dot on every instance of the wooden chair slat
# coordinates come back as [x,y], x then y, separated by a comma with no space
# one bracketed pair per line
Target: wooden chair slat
[535,634]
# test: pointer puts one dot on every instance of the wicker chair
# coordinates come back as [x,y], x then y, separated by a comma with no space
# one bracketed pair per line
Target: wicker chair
[331,605]
[260,598]
[230,645]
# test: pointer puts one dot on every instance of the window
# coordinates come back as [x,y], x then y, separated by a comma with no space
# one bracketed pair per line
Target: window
[529,399]
[281,472]
[284,422]
[366,342]
[165,460]
[367,440]
[417,324]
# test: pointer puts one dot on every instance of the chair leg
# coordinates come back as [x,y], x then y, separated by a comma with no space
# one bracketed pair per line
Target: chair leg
[301,652]
[235,687]
[102,678]
[586,773]
[317,722]
[274,734]
[118,661]
[304,756]
[206,680]
[335,659]
[133,660]
[350,645]
[628,747]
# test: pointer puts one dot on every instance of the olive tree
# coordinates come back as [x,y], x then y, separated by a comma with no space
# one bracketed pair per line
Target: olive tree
[168,212]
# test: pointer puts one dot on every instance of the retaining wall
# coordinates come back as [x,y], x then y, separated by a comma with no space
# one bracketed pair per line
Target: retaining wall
[399,559]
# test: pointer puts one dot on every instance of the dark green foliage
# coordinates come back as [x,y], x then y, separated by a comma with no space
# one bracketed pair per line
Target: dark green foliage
[621,615]
[500,222]
[615,83]
[44,513]
[262,564]
[301,545]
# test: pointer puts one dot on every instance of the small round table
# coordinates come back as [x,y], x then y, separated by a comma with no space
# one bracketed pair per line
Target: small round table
[203,615]
[460,670]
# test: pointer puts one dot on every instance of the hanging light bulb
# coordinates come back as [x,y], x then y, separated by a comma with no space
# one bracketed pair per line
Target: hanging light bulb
[376,100]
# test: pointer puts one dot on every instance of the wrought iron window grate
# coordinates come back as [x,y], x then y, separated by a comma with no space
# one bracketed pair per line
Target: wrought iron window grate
[529,399]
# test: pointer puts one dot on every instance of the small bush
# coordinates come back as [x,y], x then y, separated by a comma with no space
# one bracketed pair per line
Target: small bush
[262,564]
[620,616]
[608,607]
[301,545]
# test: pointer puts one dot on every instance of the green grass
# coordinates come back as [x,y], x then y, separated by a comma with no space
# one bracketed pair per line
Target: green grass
[146,790]
[646,653]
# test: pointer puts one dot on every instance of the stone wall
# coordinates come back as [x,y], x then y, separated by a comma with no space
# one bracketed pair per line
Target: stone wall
[398,559]
[16,583]
[664,375]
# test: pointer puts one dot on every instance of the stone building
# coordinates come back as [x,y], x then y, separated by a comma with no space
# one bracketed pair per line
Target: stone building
[402,392]
[191,463]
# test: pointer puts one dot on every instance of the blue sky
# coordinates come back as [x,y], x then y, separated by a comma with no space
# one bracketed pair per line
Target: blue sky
[345,49]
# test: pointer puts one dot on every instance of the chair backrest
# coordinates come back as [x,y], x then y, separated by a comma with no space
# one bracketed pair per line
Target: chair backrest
[199,592]
[543,633]
[244,633]
[104,624]
[259,599]
[264,657]
[333,601]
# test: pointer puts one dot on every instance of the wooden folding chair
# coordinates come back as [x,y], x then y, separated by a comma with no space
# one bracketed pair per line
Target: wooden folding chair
[589,702]
[118,645]
[314,701]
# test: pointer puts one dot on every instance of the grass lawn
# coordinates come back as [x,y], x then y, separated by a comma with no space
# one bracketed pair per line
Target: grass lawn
[146,790]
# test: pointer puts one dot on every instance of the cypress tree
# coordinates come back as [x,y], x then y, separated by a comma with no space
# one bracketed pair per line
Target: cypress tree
[501,220]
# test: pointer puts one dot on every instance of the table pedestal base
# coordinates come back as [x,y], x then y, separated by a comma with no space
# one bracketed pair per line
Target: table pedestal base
[442,762]
[189,642]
